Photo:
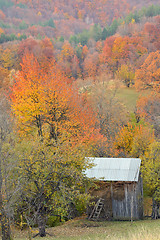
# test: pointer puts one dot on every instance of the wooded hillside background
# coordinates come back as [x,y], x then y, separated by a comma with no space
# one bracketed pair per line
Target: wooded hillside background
[77,78]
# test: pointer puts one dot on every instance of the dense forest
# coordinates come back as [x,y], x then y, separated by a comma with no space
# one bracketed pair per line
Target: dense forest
[77,78]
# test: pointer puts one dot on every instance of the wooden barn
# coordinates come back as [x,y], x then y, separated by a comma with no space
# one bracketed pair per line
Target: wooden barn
[118,194]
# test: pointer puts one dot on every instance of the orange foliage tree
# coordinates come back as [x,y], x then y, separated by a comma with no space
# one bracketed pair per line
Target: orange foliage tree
[121,50]
[45,102]
[43,50]
[106,55]
[84,51]
[148,76]
[90,65]
[152,34]
[127,49]
[68,61]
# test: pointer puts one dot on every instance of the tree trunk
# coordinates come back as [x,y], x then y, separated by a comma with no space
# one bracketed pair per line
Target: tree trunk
[5,225]
[41,224]
[155,209]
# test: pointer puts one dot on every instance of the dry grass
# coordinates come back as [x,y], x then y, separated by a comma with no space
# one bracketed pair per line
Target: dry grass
[83,229]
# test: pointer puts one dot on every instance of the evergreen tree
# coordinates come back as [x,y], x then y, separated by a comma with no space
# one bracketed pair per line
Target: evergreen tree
[104,34]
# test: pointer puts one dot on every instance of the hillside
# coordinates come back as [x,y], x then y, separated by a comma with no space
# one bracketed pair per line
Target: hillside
[77,78]
[63,18]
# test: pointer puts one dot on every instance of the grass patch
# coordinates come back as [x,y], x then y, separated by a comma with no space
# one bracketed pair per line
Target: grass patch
[87,230]
[129,97]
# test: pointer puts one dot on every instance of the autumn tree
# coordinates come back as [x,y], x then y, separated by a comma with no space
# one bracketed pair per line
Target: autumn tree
[106,55]
[119,51]
[69,61]
[90,65]
[147,77]
[84,52]
[52,181]
[126,74]
[46,102]
[127,49]
[131,139]
[148,108]
[8,61]
[151,172]
[111,114]
[43,50]
[152,36]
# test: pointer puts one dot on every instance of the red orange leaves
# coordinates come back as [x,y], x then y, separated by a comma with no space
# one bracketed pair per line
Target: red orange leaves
[43,101]
[148,76]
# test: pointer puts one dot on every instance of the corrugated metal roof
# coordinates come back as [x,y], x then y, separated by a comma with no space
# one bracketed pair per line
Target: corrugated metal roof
[115,169]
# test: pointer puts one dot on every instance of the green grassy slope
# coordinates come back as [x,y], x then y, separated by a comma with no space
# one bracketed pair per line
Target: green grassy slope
[129,97]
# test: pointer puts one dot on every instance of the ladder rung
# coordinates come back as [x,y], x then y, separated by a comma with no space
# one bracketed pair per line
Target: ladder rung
[97,209]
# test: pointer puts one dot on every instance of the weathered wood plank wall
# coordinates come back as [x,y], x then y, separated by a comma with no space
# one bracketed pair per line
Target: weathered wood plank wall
[119,199]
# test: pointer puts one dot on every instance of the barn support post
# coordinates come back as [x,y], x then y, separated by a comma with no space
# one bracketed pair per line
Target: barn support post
[132,208]
[155,209]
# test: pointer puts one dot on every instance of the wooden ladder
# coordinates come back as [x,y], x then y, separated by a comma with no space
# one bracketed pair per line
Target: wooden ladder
[97,210]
